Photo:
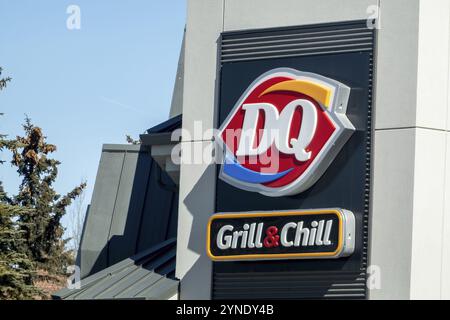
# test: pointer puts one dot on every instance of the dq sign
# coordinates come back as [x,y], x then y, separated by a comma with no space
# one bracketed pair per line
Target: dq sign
[284,132]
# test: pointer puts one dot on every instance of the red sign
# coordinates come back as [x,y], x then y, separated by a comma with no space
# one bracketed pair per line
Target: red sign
[284,131]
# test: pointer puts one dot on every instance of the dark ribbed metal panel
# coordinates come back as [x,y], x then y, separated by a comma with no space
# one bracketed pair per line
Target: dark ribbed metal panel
[289,285]
[293,42]
[369,149]
[150,274]
[134,204]
[304,279]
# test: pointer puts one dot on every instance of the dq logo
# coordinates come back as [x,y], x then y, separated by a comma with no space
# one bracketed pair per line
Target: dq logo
[284,131]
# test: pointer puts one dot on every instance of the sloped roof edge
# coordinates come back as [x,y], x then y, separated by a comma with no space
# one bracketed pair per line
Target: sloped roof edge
[146,275]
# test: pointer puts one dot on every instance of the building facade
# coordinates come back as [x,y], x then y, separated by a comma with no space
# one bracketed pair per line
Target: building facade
[375,74]
[409,213]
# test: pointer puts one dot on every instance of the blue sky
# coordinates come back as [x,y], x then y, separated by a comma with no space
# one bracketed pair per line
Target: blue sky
[91,86]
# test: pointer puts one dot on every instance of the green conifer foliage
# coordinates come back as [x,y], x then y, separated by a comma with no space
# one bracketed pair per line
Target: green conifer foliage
[16,269]
[41,226]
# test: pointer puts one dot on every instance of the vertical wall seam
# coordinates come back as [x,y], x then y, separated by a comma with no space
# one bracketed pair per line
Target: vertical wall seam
[114,207]
[372,148]
[223,15]
[419,37]
[169,217]
[446,182]
[144,203]
[414,153]
[412,209]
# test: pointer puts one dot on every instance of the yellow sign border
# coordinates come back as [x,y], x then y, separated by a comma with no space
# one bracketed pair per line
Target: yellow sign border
[275,255]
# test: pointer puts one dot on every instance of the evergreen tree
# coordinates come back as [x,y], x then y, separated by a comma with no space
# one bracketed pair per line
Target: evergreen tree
[130,140]
[16,270]
[41,226]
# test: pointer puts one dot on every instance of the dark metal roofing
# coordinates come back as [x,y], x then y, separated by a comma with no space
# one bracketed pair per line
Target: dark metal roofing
[167,126]
[125,251]
[134,207]
[147,275]
[162,133]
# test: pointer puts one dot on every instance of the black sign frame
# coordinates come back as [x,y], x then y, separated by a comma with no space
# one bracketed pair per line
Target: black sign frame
[339,236]
[345,184]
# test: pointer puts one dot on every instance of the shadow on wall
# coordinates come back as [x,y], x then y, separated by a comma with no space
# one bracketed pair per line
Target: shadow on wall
[200,210]
[134,207]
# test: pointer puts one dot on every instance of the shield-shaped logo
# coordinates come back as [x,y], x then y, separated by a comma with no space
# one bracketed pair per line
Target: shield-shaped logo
[284,132]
